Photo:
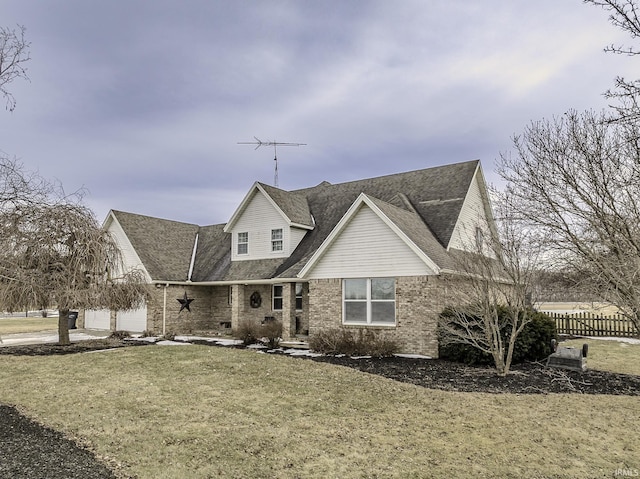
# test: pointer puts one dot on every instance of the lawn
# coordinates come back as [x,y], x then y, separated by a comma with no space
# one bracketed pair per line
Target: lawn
[610,355]
[198,411]
[27,325]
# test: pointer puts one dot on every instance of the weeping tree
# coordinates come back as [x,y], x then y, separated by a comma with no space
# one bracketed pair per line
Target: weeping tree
[491,303]
[53,252]
[576,180]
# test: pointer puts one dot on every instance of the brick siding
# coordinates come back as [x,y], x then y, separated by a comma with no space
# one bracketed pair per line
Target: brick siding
[419,301]
[202,317]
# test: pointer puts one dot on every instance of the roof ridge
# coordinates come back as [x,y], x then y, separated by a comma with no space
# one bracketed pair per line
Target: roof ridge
[116,212]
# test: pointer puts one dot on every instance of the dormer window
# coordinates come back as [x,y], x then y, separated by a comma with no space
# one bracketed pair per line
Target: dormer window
[276,240]
[243,243]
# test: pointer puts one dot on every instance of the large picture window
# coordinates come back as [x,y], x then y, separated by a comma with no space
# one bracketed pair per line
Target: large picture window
[369,301]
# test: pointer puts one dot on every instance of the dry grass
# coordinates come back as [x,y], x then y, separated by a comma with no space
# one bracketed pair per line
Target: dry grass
[603,309]
[27,325]
[197,411]
[606,355]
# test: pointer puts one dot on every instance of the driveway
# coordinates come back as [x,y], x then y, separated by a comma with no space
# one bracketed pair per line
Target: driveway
[51,336]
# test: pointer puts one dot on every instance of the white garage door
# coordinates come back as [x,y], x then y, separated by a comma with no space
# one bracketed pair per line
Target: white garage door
[134,321]
[97,319]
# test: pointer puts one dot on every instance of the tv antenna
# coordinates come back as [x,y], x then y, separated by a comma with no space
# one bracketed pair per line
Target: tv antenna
[275,145]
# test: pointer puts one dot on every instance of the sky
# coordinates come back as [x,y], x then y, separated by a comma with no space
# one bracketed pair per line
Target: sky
[142,103]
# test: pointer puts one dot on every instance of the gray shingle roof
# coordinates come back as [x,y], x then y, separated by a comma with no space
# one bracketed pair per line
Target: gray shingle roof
[213,254]
[292,204]
[417,231]
[425,204]
[328,203]
[165,247]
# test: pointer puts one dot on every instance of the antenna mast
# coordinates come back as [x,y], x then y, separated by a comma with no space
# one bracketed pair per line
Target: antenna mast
[275,145]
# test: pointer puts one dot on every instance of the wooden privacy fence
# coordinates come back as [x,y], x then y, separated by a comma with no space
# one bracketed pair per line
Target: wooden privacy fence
[590,324]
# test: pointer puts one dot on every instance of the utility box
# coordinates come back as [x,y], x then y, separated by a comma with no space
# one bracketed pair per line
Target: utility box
[569,358]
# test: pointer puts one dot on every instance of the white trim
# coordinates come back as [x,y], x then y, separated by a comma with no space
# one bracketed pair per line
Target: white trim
[193,258]
[238,212]
[369,302]
[139,264]
[240,209]
[478,176]
[363,199]
[277,240]
[238,243]
[273,296]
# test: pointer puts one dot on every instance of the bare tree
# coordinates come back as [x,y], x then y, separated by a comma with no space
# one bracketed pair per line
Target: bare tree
[496,288]
[14,53]
[576,179]
[624,15]
[54,252]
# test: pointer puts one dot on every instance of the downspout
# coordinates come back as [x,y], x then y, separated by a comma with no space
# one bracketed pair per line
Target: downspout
[164,311]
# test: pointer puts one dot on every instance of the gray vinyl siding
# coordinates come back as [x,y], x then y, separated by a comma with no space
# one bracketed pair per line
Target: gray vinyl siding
[472,215]
[258,219]
[367,247]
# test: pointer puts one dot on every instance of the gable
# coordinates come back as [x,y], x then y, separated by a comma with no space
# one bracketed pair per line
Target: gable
[258,218]
[475,213]
[130,259]
[366,246]
[291,207]
[164,247]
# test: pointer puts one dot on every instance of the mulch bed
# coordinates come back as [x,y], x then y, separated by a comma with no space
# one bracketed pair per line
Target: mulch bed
[526,378]
[30,450]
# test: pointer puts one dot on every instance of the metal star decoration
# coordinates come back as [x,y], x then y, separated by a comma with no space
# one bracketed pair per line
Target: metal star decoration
[185,302]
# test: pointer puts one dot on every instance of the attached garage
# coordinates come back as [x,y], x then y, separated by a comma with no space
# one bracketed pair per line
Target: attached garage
[97,319]
[134,321]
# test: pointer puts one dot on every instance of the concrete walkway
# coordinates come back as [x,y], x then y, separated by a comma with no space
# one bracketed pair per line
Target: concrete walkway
[51,336]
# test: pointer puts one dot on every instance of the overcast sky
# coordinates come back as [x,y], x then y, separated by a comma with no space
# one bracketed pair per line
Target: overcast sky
[143,102]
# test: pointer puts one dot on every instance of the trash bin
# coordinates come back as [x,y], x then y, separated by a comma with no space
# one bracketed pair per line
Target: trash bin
[73,315]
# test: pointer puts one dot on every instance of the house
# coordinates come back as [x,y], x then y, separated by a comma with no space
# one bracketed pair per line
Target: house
[373,253]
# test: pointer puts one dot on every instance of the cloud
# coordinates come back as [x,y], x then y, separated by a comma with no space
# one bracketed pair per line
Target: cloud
[144,102]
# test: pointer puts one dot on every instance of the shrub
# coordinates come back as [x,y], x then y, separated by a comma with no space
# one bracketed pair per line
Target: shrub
[248,332]
[119,335]
[344,341]
[168,336]
[272,332]
[251,332]
[532,344]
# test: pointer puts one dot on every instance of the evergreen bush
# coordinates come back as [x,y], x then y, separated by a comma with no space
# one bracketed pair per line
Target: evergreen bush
[532,344]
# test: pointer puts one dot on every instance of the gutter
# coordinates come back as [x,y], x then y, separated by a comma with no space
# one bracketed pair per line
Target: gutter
[164,310]
[228,282]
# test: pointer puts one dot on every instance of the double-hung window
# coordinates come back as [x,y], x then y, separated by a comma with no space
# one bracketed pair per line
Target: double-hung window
[243,243]
[298,296]
[369,301]
[276,240]
[277,297]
